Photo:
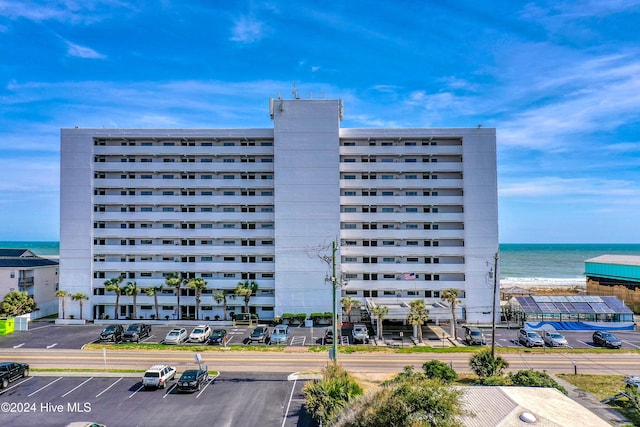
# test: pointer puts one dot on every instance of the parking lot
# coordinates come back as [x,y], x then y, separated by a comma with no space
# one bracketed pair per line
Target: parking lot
[48,335]
[225,400]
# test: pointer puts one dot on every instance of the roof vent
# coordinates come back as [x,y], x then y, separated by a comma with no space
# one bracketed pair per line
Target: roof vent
[527,417]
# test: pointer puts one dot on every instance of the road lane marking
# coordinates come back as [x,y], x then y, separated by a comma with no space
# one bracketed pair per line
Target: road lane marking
[40,327]
[139,388]
[18,346]
[211,380]
[15,385]
[284,418]
[42,388]
[103,391]
[52,345]
[632,345]
[170,390]
[75,388]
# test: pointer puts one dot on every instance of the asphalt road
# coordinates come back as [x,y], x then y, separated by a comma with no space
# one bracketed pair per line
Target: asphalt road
[609,362]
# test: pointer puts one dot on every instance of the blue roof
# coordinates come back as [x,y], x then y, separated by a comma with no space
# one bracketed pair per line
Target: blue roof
[572,304]
[617,267]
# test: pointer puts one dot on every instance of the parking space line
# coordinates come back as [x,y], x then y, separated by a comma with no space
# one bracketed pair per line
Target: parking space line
[139,388]
[211,380]
[15,385]
[170,390]
[632,345]
[42,388]
[103,391]
[284,418]
[77,387]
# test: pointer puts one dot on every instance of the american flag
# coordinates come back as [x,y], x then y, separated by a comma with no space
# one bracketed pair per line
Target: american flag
[409,276]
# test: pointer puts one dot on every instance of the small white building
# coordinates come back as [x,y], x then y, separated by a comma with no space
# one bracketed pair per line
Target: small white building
[414,212]
[22,270]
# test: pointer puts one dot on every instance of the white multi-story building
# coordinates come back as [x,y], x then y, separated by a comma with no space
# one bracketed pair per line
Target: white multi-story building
[414,211]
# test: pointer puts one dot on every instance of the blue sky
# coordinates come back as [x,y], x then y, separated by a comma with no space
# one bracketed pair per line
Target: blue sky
[560,81]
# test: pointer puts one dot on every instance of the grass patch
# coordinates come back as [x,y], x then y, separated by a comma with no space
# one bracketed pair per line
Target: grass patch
[192,348]
[601,386]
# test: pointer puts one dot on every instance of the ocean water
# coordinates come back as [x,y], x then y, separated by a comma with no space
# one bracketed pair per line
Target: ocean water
[519,264]
[552,264]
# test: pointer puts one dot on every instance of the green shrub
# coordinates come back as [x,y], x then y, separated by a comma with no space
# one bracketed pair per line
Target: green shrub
[437,370]
[494,381]
[328,314]
[531,378]
[316,315]
[485,365]
[288,315]
[327,398]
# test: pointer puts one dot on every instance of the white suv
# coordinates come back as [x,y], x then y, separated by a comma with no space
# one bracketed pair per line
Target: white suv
[200,333]
[360,334]
[158,375]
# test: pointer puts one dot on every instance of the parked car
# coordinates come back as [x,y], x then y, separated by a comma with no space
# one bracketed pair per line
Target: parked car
[554,339]
[157,376]
[474,336]
[11,371]
[606,339]
[530,338]
[280,335]
[218,336]
[192,379]
[136,332]
[112,333]
[176,336]
[328,335]
[360,334]
[260,334]
[200,333]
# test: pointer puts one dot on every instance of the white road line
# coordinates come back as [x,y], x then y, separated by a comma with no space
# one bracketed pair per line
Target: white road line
[15,385]
[139,388]
[18,346]
[52,345]
[42,388]
[103,391]
[211,380]
[75,388]
[284,418]
[170,390]
[632,345]
[40,327]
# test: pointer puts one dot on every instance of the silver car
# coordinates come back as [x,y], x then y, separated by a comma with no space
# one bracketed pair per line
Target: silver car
[176,336]
[530,338]
[280,335]
[554,339]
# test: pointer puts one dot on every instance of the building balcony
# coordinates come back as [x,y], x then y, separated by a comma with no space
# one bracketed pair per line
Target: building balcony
[179,217]
[400,251]
[400,184]
[180,250]
[401,200]
[180,167]
[401,234]
[201,266]
[407,285]
[178,150]
[366,150]
[177,200]
[178,184]
[400,217]
[181,233]
[401,166]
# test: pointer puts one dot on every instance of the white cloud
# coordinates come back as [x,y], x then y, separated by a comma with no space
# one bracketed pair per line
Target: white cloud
[65,11]
[246,30]
[570,187]
[82,52]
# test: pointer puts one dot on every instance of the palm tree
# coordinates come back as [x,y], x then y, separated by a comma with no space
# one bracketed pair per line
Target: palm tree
[451,296]
[79,297]
[63,296]
[153,292]
[113,285]
[245,290]
[197,284]
[221,297]
[418,315]
[132,289]
[348,304]
[173,280]
[380,311]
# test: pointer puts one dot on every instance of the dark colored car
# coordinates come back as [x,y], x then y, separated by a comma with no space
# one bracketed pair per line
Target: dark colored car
[606,339]
[112,333]
[218,336]
[192,379]
[11,371]
[136,332]
[260,334]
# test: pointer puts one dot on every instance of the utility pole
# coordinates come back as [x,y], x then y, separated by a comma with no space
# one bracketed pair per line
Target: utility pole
[334,284]
[493,311]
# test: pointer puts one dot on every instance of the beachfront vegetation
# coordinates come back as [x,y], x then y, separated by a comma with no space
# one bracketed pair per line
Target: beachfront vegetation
[486,366]
[348,304]
[418,316]
[245,290]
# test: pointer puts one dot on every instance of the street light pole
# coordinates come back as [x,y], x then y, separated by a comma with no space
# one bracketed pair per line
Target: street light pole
[334,284]
[493,311]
